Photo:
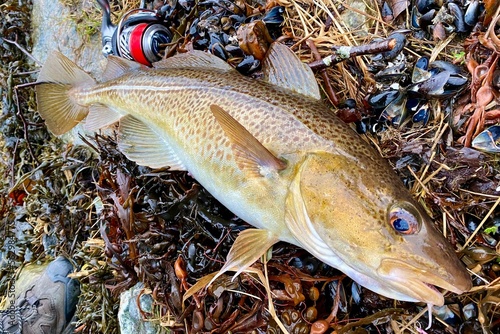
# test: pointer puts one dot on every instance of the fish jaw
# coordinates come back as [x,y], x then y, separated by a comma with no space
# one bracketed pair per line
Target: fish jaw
[418,284]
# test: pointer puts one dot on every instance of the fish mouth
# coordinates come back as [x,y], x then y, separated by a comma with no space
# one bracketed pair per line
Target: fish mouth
[421,285]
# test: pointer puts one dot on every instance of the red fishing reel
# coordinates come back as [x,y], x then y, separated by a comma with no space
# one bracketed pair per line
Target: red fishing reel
[141,34]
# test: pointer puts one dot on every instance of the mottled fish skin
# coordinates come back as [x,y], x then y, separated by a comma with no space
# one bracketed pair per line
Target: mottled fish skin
[274,116]
[335,196]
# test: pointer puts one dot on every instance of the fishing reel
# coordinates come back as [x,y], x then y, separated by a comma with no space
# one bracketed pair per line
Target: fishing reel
[141,35]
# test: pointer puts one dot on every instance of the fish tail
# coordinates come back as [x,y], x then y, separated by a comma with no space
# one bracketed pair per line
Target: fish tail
[57,82]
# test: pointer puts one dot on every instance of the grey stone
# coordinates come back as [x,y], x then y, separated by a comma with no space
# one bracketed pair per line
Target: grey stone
[54,28]
[129,316]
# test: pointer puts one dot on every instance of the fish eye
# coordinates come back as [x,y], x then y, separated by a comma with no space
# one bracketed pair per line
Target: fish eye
[404,220]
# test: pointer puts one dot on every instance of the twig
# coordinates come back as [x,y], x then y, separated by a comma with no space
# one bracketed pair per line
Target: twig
[23,50]
[328,86]
[25,127]
[482,223]
[345,52]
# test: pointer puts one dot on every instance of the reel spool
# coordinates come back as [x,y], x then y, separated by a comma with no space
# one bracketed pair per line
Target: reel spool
[140,35]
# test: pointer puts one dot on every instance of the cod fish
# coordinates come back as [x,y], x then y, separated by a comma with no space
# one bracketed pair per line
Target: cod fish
[273,154]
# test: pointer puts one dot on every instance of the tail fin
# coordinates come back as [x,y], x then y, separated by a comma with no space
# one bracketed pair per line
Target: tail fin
[55,103]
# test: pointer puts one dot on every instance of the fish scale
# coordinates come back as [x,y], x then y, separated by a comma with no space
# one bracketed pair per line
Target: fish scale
[274,155]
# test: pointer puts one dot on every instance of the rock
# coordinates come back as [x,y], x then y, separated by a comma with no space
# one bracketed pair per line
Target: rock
[129,317]
[54,28]
[357,23]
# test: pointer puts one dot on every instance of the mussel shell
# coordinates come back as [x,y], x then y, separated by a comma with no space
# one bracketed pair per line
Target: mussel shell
[455,84]
[217,49]
[458,17]
[248,65]
[427,17]
[361,127]
[413,104]
[201,44]
[420,72]
[424,6]
[350,103]
[442,65]
[415,18]
[422,115]
[395,112]
[432,87]
[274,16]
[488,140]
[193,29]
[400,44]
[471,15]
[383,99]
[386,12]
[422,63]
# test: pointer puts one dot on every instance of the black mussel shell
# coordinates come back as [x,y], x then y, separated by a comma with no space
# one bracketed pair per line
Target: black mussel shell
[413,104]
[381,100]
[274,16]
[422,115]
[424,6]
[248,65]
[442,65]
[361,127]
[471,15]
[234,50]
[420,72]
[201,44]
[387,13]
[217,49]
[426,18]
[400,44]
[422,63]
[432,87]
[458,17]
[455,84]
[193,29]
[395,112]
[415,18]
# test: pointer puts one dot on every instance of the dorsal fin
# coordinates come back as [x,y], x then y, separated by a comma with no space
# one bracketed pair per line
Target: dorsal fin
[250,154]
[117,66]
[283,68]
[143,145]
[193,59]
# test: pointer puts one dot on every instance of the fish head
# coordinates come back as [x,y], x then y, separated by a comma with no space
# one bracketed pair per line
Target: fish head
[362,220]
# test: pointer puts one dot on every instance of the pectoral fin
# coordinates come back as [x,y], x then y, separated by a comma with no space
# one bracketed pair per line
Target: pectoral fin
[248,247]
[143,145]
[250,154]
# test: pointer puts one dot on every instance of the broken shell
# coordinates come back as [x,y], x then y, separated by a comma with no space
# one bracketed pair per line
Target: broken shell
[488,140]
[254,39]
[422,115]
[420,72]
